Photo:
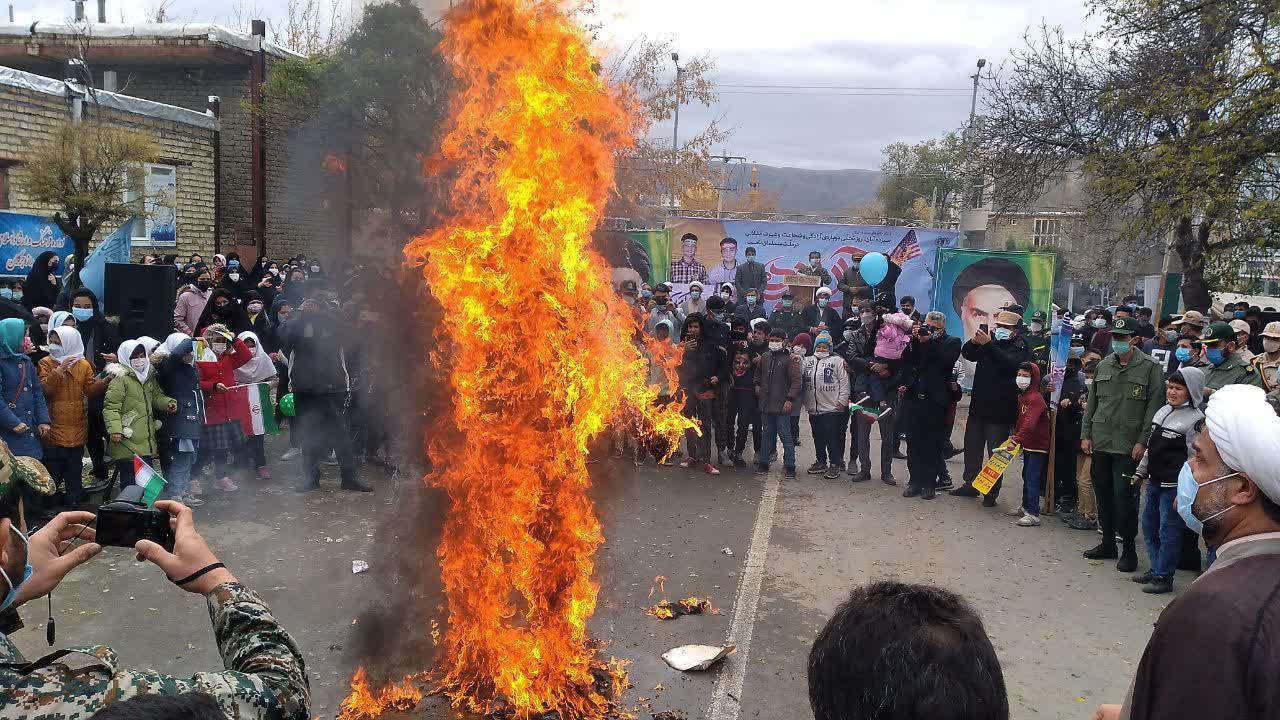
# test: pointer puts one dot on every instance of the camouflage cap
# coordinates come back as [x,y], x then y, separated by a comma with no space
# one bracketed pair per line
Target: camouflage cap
[1039,316]
[25,470]
[1217,331]
[1124,326]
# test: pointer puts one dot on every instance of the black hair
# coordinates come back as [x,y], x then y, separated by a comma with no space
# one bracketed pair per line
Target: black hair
[896,651]
[907,299]
[187,706]
[750,249]
[778,332]
[1128,309]
[1026,366]
[1146,311]
[762,326]
[1106,314]
[729,241]
[715,302]
[1178,378]
[698,318]
[991,271]
[688,236]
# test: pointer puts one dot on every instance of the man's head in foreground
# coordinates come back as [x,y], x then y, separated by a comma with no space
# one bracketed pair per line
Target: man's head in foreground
[895,651]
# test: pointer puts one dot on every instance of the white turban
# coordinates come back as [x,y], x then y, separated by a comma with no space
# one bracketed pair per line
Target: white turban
[1246,431]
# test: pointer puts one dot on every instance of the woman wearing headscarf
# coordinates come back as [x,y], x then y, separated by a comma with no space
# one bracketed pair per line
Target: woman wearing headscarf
[100,341]
[133,403]
[260,369]
[223,309]
[222,434]
[42,284]
[192,298]
[236,281]
[24,417]
[255,308]
[68,381]
[175,365]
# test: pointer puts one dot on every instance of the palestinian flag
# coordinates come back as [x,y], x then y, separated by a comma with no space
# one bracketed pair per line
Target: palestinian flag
[252,406]
[145,477]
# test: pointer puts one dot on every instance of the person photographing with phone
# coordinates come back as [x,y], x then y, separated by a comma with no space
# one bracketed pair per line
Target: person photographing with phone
[264,676]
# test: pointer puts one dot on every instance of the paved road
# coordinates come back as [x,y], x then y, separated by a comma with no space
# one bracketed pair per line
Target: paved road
[1067,631]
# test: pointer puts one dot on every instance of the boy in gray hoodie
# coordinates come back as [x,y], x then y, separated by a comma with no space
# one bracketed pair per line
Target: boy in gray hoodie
[826,395]
[1173,433]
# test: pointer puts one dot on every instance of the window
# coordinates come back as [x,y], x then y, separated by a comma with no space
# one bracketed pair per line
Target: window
[1047,233]
[156,187]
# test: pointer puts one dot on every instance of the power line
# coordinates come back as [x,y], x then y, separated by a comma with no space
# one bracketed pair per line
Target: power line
[844,94]
[842,87]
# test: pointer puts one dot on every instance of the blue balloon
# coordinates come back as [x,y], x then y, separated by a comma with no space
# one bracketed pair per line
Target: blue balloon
[874,267]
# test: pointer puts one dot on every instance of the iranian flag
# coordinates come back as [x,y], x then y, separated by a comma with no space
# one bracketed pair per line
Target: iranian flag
[252,406]
[145,477]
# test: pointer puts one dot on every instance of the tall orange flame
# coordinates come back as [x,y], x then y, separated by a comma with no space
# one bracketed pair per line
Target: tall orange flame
[540,356]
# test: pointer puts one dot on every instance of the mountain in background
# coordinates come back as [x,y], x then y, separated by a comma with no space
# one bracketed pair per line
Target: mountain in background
[800,190]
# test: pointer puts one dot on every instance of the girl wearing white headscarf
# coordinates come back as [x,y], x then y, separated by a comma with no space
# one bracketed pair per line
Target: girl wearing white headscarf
[68,381]
[132,408]
[260,369]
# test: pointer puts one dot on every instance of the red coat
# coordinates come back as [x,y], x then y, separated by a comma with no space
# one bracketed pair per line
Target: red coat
[222,370]
[1032,430]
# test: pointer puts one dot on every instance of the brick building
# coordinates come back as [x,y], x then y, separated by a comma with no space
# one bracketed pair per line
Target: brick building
[272,195]
[32,107]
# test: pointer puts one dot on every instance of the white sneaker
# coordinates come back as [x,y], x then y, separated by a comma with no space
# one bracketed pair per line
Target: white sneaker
[1029,520]
[1015,511]
[291,453]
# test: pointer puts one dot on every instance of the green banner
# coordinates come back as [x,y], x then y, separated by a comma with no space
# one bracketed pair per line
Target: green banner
[971,286]
[638,255]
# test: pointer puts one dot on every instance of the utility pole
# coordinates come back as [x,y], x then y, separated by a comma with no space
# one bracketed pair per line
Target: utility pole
[675,132]
[968,139]
[724,158]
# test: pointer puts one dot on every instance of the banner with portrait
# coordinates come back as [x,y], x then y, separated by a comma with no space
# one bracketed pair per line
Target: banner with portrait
[718,246]
[642,256]
[973,285]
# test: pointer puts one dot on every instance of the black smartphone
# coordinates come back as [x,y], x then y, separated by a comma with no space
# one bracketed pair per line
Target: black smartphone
[123,524]
[983,328]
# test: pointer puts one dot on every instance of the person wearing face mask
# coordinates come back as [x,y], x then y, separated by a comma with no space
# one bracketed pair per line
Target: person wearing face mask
[221,437]
[800,346]
[101,338]
[255,309]
[860,354]
[779,382]
[1163,345]
[258,370]
[993,406]
[1038,341]
[700,373]
[1210,654]
[1268,361]
[695,303]
[1100,342]
[786,316]
[743,412]
[42,284]
[192,299]
[223,309]
[1066,439]
[1223,363]
[750,308]
[1124,397]
[134,402]
[928,367]
[820,315]
[1031,432]
[855,289]
[750,275]
[69,382]
[175,366]
[1173,434]
[727,294]
[826,389]
[236,281]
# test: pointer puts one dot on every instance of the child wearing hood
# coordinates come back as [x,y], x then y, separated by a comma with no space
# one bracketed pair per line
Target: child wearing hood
[24,417]
[175,364]
[1173,435]
[260,369]
[69,382]
[826,395]
[133,404]
[1032,433]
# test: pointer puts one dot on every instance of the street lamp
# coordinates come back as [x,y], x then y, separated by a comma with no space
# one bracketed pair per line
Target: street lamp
[968,145]
[675,132]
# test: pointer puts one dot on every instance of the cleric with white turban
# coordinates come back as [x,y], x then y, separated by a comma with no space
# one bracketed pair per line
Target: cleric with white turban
[1213,653]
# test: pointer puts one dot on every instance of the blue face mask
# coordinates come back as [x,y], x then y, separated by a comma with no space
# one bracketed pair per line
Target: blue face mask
[6,293]
[1075,351]
[786,303]
[82,314]
[1187,490]
[1002,333]
[1183,354]
[26,575]
[695,294]
[1120,347]
[751,299]
[646,293]
[822,302]
[1239,314]
[1215,355]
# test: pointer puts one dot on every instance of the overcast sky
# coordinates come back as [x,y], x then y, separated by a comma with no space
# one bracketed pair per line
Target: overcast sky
[798,44]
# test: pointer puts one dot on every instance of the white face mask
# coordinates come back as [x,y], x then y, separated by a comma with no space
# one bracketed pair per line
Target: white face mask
[255,307]
[274,271]
[1037,327]
[775,345]
[724,296]
[1088,382]
[1099,323]
[218,347]
[1271,345]
[822,354]
[235,277]
[1022,382]
[139,365]
[867,318]
[798,350]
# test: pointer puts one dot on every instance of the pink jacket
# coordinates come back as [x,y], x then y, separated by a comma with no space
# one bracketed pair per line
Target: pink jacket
[186,313]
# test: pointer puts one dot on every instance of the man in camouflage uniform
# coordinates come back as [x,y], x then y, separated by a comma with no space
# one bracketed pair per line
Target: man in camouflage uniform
[786,317]
[265,678]
[1127,389]
[1223,364]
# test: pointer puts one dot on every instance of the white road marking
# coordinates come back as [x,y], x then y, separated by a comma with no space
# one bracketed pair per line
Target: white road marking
[725,702]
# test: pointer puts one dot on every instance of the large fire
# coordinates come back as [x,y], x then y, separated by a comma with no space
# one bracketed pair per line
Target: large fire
[540,357]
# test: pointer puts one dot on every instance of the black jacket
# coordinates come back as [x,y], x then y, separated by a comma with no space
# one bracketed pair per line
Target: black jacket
[930,368]
[313,342]
[995,395]
[828,315]
[700,364]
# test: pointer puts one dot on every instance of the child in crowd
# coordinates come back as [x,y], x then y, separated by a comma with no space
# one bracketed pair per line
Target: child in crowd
[660,448]
[801,344]
[222,436]
[175,364]
[133,403]
[258,370]
[69,382]
[1032,433]
[826,390]
[1173,435]
[743,410]
[24,417]
[892,339]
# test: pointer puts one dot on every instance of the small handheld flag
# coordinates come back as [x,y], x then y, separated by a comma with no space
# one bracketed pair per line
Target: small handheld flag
[151,482]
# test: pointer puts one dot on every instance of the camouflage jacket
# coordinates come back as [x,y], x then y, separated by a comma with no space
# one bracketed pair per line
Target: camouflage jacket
[265,678]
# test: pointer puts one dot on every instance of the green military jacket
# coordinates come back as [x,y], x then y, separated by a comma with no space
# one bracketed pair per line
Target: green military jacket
[265,678]
[1122,401]
[1235,370]
[787,320]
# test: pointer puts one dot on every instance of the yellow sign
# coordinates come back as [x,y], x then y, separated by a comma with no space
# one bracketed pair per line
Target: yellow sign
[999,461]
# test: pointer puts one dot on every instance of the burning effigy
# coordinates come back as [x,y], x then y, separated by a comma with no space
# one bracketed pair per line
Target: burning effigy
[538,352]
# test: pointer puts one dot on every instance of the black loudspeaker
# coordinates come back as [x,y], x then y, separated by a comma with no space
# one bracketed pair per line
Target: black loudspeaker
[142,296]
